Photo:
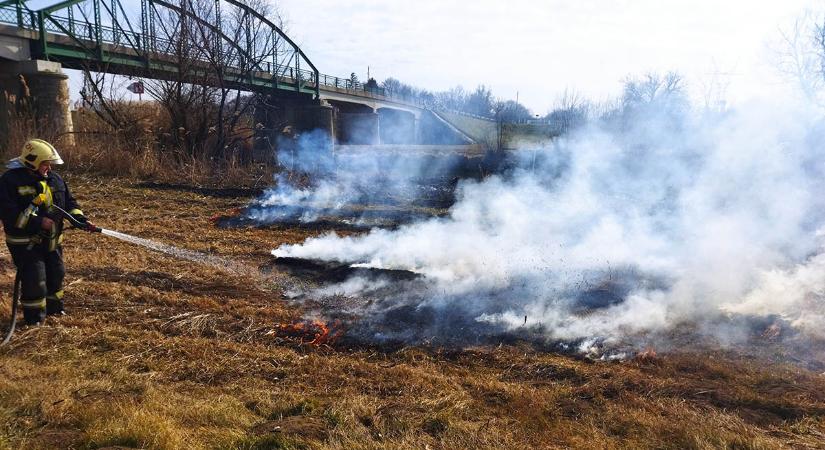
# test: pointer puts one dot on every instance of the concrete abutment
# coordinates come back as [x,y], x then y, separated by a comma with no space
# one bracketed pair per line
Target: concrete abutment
[34,100]
[280,122]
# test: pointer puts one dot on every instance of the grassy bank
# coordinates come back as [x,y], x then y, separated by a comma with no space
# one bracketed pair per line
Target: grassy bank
[164,353]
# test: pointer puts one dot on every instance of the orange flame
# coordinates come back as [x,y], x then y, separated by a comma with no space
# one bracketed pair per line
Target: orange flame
[321,333]
[228,214]
[648,355]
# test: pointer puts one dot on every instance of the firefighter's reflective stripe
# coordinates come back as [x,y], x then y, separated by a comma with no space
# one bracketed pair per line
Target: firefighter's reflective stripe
[57,295]
[76,212]
[35,240]
[14,240]
[54,241]
[39,303]
[45,199]
[26,190]
[48,202]
[23,217]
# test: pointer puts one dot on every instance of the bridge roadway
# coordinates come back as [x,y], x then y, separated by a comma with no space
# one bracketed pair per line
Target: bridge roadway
[16,45]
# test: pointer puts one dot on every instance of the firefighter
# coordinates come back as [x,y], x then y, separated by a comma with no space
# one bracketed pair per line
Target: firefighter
[34,230]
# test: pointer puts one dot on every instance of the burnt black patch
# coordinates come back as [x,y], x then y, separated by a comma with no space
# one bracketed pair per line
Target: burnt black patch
[331,272]
[345,218]
[601,297]
[205,191]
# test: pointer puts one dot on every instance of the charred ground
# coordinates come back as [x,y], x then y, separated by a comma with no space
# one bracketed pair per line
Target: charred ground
[164,353]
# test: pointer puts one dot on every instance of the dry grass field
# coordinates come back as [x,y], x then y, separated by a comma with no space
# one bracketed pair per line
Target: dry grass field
[163,353]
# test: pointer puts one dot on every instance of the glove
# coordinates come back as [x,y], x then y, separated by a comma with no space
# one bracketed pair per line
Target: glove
[86,225]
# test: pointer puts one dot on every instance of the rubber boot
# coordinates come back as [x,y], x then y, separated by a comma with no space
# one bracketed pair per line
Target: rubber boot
[34,311]
[55,305]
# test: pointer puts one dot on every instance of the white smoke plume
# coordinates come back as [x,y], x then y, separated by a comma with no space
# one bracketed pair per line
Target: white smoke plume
[619,231]
[339,184]
[796,294]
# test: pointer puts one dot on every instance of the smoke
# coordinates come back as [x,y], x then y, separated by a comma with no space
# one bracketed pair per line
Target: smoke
[627,228]
[795,294]
[306,154]
[318,184]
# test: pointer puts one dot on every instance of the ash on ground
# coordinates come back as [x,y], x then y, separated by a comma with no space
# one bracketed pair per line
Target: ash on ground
[392,309]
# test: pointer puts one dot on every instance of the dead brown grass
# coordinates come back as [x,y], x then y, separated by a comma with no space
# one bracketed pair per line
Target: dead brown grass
[167,354]
[95,148]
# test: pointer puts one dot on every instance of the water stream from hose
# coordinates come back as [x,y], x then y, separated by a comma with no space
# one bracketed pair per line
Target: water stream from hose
[190,255]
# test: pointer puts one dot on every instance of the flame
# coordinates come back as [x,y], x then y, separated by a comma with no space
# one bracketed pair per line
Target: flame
[648,355]
[321,333]
[228,214]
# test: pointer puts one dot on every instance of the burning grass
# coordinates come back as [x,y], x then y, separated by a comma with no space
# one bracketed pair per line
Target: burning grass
[313,332]
[169,354]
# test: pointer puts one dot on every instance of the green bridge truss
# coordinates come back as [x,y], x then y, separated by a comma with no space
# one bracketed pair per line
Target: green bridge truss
[218,42]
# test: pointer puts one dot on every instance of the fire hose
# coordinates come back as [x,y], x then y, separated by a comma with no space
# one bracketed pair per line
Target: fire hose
[15,299]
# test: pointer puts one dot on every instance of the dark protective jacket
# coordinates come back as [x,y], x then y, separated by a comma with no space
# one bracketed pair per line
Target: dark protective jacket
[21,218]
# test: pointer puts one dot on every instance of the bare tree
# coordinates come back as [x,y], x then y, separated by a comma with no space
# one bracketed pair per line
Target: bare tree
[393,85]
[511,111]
[99,95]
[571,111]
[187,95]
[801,54]
[208,111]
[653,88]
[102,91]
[653,94]
[453,99]
[480,102]
[714,89]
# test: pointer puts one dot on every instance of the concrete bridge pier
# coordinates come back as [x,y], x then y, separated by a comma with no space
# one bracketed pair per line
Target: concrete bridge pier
[280,123]
[398,127]
[359,127]
[373,125]
[34,100]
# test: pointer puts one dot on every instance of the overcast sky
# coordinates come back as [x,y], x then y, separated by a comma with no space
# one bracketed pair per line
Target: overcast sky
[538,48]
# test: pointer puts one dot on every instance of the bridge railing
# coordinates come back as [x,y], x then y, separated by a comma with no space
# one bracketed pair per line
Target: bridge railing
[14,12]
[8,15]
[227,34]
[356,87]
[91,23]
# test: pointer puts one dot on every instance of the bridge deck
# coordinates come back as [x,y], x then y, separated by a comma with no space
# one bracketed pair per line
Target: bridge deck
[111,44]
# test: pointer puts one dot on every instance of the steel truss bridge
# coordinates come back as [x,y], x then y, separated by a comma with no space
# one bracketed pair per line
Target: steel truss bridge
[222,43]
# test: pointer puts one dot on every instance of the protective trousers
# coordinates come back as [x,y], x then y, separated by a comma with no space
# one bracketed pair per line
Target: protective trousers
[41,278]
